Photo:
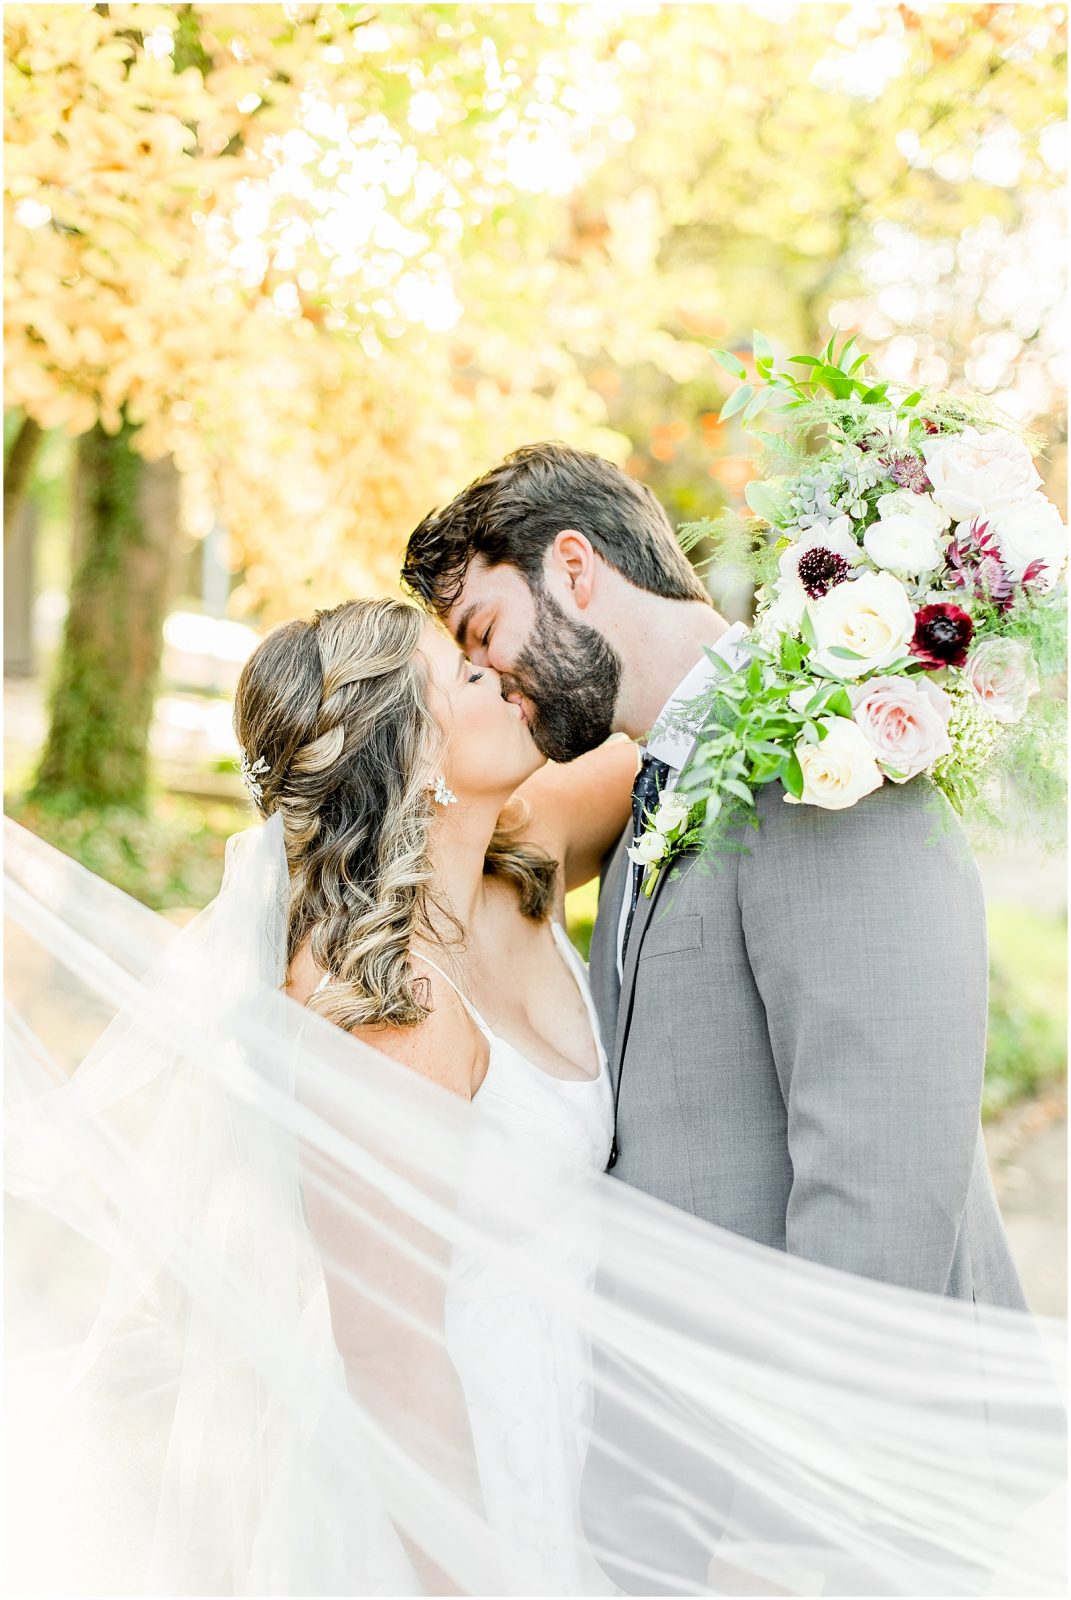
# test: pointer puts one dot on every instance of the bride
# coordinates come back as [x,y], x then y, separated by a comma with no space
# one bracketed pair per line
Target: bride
[316,1284]
[429,858]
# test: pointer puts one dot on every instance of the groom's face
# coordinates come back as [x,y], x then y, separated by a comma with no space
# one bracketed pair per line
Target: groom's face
[563,673]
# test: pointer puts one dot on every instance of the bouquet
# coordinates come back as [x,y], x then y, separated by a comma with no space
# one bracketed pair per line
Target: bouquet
[911,572]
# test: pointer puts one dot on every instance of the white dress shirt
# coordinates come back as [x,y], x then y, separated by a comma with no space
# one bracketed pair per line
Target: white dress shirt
[675,748]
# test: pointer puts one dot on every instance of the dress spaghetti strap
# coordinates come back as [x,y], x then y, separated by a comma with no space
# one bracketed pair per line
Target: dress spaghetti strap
[465,1001]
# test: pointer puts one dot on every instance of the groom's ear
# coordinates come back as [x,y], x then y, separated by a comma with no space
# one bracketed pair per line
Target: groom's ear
[569,568]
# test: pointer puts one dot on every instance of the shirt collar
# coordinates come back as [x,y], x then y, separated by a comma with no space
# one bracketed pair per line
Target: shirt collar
[675,748]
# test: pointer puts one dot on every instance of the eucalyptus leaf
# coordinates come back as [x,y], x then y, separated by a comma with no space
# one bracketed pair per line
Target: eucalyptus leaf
[792,777]
[736,401]
[848,344]
[757,403]
[765,500]
[740,790]
[731,363]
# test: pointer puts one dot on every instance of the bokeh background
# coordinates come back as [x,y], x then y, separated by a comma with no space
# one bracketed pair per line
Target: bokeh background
[279,278]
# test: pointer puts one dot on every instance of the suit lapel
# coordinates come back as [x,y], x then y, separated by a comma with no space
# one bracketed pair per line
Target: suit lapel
[641,921]
[605,983]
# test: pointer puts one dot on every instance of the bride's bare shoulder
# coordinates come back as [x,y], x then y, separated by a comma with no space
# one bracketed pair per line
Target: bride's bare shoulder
[446,1047]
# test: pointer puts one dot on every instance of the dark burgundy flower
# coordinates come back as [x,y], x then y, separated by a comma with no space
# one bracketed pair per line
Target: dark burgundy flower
[943,635]
[821,570]
[975,564]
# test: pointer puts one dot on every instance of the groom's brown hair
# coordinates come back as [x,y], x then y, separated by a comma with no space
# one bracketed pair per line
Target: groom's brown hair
[514,512]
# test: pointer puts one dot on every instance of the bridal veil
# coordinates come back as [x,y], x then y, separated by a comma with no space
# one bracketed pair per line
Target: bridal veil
[211,1193]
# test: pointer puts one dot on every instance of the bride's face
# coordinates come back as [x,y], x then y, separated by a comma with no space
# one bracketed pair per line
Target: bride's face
[490,750]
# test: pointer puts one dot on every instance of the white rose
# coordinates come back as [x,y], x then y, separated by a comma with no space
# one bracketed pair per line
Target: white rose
[1031,531]
[905,722]
[975,473]
[1003,675]
[670,814]
[648,850]
[871,616]
[839,771]
[903,544]
[906,503]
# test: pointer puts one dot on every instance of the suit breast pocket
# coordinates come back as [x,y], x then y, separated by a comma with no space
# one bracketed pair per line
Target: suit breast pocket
[672,935]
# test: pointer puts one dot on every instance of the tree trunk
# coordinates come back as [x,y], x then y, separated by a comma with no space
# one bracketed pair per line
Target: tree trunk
[18,461]
[19,543]
[126,526]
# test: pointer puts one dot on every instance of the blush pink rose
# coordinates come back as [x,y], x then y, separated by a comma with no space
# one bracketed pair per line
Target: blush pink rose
[905,722]
[1003,675]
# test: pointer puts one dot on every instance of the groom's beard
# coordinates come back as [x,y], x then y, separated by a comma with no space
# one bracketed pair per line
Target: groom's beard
[570,676]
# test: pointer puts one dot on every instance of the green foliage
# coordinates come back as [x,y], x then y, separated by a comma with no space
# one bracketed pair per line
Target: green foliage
[1026,1050]
[730,541]
[835,395]
[169,857]
[750,723]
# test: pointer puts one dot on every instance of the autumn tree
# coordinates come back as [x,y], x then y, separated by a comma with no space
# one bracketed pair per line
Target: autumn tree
[222,222]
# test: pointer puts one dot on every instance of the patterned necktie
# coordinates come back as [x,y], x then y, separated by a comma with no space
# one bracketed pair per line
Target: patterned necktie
[650,782]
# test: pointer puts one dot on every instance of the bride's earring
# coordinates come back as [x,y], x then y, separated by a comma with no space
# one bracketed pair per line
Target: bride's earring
[443,795]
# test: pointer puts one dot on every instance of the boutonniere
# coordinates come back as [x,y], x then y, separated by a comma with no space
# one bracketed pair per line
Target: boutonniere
[670,829]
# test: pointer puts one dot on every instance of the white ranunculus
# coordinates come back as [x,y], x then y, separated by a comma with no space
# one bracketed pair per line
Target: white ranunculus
[979,474]
[1003,675]
[791,602]
[838,772]
[905,722]
[903,544]
[672,813]
[783,616]
[836,536]
[1031,531]
[906,503]
[870,616]
[648,850]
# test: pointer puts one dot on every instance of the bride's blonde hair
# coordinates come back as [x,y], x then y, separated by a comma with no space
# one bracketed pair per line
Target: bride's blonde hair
[338,711]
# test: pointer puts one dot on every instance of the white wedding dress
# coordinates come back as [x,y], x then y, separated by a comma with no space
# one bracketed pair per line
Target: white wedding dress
[526,1370]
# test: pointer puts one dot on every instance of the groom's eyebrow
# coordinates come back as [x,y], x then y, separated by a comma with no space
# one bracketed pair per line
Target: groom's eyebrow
[463,621]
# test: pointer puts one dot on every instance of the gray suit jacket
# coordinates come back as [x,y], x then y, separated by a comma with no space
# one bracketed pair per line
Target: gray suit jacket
[798,1043]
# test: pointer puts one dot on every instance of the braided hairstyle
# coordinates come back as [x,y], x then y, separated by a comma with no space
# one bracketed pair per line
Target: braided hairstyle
[339,711]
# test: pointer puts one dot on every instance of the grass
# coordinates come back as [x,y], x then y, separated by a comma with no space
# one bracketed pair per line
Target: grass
[1027,1048]
[169,858]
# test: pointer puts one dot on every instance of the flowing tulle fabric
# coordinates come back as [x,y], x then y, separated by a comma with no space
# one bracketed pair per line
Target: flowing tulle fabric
[230,1232]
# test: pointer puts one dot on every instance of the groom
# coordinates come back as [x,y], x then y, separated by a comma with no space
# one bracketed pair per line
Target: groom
[796,1028]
